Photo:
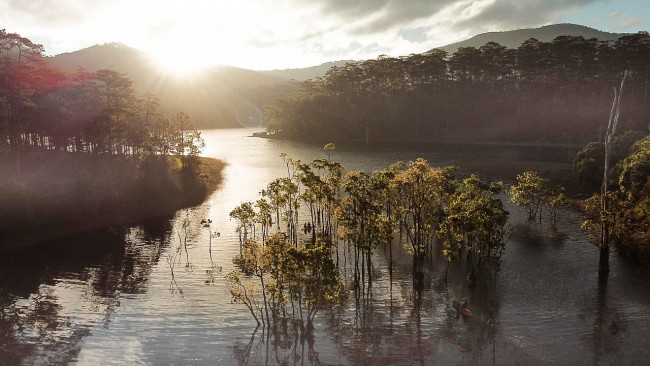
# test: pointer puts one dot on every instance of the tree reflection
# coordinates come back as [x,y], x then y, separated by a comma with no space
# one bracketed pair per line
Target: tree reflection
[242,351]
[609,323]
[283,345]
[52,296]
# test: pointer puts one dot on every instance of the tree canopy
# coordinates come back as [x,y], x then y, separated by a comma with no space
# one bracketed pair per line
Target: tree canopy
[558,91]
[93,112]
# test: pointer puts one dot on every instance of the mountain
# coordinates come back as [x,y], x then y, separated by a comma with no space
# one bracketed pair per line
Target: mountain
[514,38]
[212,98]
[306,73]
[140,66]
[114,56]
[217,96]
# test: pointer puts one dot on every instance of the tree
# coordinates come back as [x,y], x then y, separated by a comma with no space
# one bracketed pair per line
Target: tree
[188,141]
[589,161]
[245,215]
[634,187]
[313,280]
[554,200]
[244,292]
[363,220]
[253,261]
[605,240]
[24,78]
[475,220]
[420,193]
[530,192]
[306,275]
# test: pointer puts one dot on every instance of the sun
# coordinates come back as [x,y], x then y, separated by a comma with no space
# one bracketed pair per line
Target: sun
[180,63]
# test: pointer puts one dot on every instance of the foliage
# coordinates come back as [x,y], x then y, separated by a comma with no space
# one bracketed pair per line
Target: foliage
[367,209]
[626,221]
[361,213]
[540,91]
[634,178]
[188,141]
[589,161]
[363,219]
[245,215]
[304,276]
[634,187]
[534,192]
[612,219]
[475,220]
[96,113]
[530,192]
[420,193]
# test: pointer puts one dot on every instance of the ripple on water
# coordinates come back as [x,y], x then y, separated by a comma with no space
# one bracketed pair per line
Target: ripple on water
[118,304]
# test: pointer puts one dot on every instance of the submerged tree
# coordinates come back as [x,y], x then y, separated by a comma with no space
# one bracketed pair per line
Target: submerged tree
[245,216]
[607,227]
[297,278]
[304,277]
[475,221]
[534,193]
[244,291]
[363,219]
[530,192]
[312,279]
[420,192]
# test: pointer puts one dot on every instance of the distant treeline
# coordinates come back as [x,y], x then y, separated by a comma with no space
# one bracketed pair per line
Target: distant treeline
[557,91]
[97,112]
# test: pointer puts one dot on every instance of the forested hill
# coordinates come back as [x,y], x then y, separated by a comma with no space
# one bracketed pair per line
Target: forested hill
[213,98]
[305,73]
[558,91]
[225,96]
[547,33]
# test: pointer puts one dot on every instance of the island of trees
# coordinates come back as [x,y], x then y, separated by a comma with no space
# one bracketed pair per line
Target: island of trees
[83,151]
[288,267]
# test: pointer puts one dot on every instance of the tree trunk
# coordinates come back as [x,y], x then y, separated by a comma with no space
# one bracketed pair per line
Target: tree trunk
[603,266]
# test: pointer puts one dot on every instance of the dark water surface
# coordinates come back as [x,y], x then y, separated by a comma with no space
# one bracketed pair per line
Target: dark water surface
[105,298]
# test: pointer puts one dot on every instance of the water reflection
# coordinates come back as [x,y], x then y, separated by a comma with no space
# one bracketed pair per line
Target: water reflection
[48,294]
[282,346]
[106,298]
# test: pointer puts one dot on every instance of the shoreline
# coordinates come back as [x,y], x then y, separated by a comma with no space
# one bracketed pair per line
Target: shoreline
[71,210]
[423,142]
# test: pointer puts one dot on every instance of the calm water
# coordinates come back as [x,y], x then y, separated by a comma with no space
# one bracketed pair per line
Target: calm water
[105,298]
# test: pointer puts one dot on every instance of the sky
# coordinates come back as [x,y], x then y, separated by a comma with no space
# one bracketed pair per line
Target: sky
[279,34]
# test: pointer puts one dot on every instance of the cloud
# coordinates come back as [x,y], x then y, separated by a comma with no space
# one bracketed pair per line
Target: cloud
[625,21]
[44,12]
[366,28]
[396,13]
[289,33]
[498,15]
[371,16]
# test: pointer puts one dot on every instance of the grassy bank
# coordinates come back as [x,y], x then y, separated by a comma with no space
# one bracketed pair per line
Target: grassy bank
[50,194]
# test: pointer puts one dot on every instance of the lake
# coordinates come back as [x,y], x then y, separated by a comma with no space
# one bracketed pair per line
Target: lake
[114,298]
